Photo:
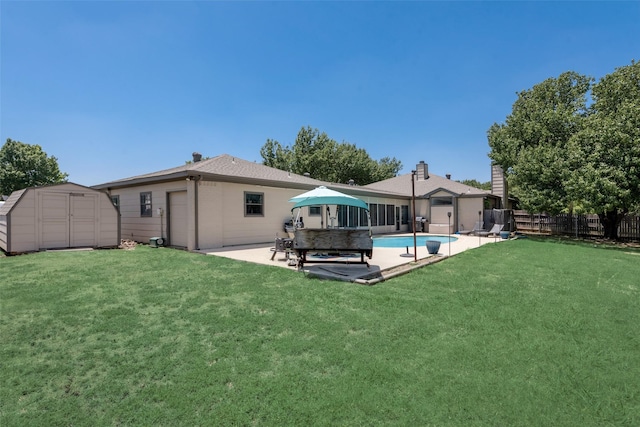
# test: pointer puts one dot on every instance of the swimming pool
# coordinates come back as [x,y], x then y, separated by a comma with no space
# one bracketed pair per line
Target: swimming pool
[402,241]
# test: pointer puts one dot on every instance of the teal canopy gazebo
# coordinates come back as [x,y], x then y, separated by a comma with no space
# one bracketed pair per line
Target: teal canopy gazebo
[326,196]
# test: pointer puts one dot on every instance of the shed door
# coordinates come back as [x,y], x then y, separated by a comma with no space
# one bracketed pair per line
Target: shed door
[82,220]
[178,218]
[54,214]
[68,220]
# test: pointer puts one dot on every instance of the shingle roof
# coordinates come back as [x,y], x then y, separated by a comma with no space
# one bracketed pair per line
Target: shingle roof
[402,184]
[223,167]
[233,169]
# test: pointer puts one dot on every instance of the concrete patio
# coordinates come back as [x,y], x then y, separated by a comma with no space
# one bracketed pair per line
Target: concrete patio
[386,262]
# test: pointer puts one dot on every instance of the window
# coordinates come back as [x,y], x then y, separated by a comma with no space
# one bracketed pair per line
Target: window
[363,217]
[116,201]
[373,211]
[315,210]
[381,214]
[404,214]
[145,204]
[253,204]
[391,215]
[441,201]
[348,216]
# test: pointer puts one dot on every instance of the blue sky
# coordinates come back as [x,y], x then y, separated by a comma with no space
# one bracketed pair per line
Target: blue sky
[116,89]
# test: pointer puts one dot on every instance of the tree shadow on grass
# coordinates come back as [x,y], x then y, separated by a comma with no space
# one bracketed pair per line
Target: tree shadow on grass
[600,243]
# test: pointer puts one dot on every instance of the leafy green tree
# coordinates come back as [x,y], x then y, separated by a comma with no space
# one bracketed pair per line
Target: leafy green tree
[605,154]
[531,146]
[558,153]
[25,165]
[327,160]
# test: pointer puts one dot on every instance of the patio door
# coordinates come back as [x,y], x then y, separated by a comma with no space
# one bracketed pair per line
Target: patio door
[397,218]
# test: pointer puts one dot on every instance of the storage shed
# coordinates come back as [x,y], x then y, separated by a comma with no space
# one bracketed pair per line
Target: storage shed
[58,216]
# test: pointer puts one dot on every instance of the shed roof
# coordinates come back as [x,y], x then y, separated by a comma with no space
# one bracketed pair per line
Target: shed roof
[17,195]
[11,201]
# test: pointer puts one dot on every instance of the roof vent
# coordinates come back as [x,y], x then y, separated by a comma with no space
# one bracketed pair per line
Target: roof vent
[196,157]
[352,182]
[307,174]
[448,176]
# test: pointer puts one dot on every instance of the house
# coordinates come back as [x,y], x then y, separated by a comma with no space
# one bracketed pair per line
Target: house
[438,196]
[57,216]
[226,201]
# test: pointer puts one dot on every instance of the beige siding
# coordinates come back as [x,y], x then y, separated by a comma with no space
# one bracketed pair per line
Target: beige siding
[221,219]
[108,232]
[23,232]
[60,216]
[138,228]
[240,229]
[3,233]
[468,209]
[210,214]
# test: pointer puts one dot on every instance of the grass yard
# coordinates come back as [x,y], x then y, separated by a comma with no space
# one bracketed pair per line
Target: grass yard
[525,332]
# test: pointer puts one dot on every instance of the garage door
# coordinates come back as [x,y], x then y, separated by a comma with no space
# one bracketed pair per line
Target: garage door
[178,218]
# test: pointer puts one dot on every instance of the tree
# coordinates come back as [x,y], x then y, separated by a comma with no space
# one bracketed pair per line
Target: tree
[327,160]
[557,152]
[605,154]
[25,165]
[531,146]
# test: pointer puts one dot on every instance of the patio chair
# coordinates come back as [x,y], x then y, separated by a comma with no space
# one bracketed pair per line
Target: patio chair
[282,244]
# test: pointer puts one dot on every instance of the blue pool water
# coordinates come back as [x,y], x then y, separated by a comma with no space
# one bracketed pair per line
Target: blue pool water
[401,242]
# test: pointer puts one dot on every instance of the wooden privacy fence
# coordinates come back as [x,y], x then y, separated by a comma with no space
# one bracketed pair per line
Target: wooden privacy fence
[574,225]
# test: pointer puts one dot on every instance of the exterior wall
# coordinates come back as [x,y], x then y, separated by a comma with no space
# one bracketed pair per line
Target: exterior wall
[468,208]
[240,229]
[3,233]
[139,228]
[222,221]
[108,220]
[216,213]
[22,232]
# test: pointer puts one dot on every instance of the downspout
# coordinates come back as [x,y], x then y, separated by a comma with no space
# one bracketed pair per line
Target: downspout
[456,200]
[195,196]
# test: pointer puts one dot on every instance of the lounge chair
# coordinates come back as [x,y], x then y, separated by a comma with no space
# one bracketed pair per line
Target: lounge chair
[496,229]
[476,229]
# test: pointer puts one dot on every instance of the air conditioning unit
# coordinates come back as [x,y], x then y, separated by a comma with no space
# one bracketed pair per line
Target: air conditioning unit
[156,242]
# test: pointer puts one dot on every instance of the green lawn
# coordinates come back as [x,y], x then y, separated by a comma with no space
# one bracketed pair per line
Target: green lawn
[525,332]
